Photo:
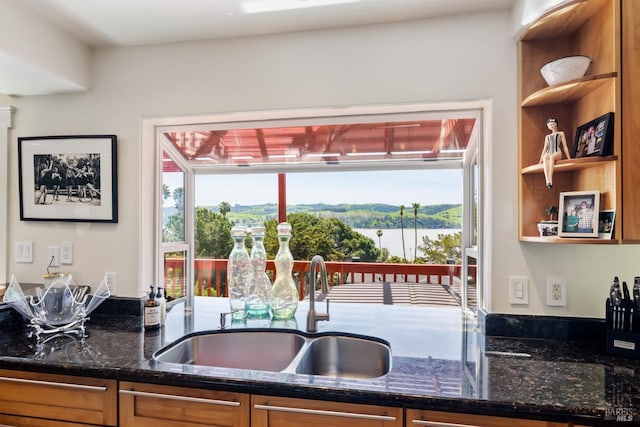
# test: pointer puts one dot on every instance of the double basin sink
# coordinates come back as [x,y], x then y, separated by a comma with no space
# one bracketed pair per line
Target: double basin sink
[327,354]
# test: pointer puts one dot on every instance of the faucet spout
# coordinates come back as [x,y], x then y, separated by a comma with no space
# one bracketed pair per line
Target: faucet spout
[313,317]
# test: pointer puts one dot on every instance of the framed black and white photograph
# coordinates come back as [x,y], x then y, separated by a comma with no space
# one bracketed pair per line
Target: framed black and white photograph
[68,178]
[579,214]
[605,224]
[595,138]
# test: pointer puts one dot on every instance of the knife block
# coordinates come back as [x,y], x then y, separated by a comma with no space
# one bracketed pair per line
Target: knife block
[623,329]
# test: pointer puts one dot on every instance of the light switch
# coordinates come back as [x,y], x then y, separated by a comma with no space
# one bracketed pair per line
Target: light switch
[66,253]
[24,251]
[518,290]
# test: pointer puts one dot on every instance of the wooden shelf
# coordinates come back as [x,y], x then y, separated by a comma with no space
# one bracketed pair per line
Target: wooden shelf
[568,92]
[562,20]
[572,240]
[571,164]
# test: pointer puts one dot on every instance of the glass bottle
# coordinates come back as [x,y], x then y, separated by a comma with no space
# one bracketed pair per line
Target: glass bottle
[258,283]
[151,312]
[238,267]
[284,295]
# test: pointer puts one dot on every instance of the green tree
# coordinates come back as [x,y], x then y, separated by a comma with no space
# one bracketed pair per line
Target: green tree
[224,208]
[446,246]
[173,225]
[415,206]
[212,234]
[404,253]
[379,234]
[328,237]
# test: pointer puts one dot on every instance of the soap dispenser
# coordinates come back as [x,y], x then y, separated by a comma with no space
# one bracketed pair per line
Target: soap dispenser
[151,312]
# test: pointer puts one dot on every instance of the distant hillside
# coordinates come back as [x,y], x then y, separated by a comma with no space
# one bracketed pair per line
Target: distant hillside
[368,215]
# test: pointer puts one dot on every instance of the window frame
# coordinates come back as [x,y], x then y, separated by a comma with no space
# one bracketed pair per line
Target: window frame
[282,117]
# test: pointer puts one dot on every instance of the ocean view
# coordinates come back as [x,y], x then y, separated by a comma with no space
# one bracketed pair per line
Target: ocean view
[392,238]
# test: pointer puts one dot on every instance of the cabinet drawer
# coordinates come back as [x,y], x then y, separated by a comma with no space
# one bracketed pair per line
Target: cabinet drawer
[40,397]
[269,411]
[418,418]
[150,405]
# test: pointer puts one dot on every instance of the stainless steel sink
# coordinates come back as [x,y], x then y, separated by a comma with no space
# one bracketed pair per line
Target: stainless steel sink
[244,349]
[345,356]
[276,350]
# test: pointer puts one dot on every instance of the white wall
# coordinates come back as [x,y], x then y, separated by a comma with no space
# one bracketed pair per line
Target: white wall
[454,58]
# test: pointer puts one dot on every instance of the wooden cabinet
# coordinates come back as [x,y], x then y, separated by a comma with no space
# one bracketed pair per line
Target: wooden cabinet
[592,28]
[416,418]
[149,405]
[44,400]
[269,411]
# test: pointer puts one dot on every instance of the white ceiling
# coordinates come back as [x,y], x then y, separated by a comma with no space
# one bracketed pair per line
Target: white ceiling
[135,22]
[141,22]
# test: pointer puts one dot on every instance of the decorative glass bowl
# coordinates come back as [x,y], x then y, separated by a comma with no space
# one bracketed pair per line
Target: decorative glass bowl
[565,69]
[61,307]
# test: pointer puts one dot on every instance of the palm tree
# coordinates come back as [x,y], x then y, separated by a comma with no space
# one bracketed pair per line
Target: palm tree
[415,206]
[379,234]
[224,208]
[404,253]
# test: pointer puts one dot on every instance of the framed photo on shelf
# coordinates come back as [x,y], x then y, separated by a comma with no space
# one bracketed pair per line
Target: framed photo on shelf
[579,214]
[595,138]
[605,224]
[68,178]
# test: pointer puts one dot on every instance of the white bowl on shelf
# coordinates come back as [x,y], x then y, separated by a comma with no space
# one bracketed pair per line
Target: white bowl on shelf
[565,69]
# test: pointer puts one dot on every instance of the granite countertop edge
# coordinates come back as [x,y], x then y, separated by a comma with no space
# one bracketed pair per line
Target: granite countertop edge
[473,406]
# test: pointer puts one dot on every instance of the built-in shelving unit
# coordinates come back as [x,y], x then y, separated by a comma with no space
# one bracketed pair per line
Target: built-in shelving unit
[591,28]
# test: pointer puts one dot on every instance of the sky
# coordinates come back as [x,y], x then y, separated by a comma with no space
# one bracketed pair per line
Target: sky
[426,187]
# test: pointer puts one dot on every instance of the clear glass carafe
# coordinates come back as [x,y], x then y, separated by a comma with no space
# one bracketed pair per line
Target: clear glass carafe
[258,283]
[238,268]
[284,295]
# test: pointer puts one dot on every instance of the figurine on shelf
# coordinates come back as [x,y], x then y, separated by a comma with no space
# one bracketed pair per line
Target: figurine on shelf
[555,144]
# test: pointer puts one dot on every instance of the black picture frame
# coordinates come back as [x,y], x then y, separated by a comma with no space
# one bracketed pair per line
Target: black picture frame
[68,178]
[594,138]
[606,224]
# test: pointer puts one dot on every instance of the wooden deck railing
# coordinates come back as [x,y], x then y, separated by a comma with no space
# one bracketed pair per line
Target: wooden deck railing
[210,274]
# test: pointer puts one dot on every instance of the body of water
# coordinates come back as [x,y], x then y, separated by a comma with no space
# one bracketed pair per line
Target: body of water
[392,238]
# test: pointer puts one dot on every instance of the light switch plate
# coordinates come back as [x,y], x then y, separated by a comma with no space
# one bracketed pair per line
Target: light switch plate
[66,253]
[518,290]
[24,251]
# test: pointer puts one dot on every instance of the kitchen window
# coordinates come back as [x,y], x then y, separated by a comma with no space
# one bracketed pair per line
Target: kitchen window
[382,138]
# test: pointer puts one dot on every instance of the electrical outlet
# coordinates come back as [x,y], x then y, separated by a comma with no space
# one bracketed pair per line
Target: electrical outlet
[111,279]
[556,291]
[53,259]
[66,253]
[518,290]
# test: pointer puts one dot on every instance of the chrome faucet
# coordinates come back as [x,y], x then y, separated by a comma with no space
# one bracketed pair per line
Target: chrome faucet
[312,316]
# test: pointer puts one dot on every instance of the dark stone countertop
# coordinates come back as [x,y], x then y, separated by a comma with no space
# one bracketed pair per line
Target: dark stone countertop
[440,362]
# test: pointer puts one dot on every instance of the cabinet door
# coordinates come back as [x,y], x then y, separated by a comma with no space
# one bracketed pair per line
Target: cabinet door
[417,418]
[35,399]
[267,411]
[149,405]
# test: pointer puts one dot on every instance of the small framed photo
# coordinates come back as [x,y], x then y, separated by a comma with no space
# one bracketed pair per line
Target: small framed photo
[605,224]
[68,178]
[595,138]
[579,214]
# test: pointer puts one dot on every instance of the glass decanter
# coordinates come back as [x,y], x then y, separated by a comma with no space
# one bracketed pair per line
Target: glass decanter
[258,283]
[238,268]
[284,295]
